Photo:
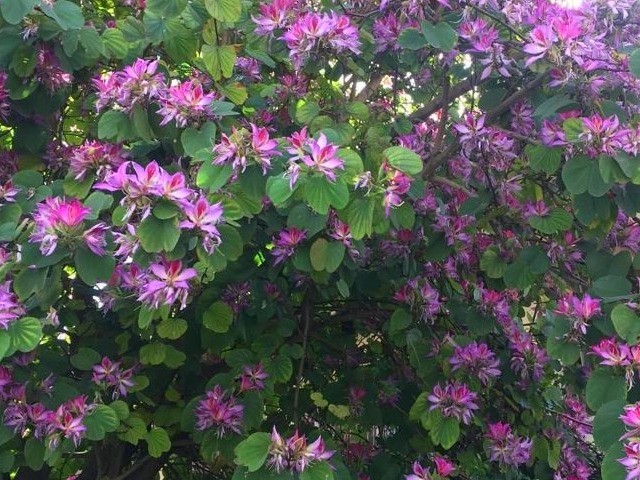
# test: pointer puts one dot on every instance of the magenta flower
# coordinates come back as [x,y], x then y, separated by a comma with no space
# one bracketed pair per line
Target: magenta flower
[242,146]
[237,296]
[419,473]
[263,147]
[294,454]
[454,400]
[506,448]
[398,184]
[631,419]
[108,374]
[252,378]
[612,353]
[168,282]
[476,360]
[542,38]
[185,103]
[286,242]
[602,135]
[273,16]
[632,460]
[48,71]
[95,157]
[57,219]
[204,217]
[220,411]
[10,309]
[95,238]
[4,97]
[68,425]
[444,466]
[323,157]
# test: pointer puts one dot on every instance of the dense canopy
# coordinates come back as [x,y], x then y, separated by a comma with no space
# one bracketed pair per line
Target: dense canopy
[316,240]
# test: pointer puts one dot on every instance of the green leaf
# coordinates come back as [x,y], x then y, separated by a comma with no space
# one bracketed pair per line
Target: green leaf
[306,112]
[626,323]
[558,220]
[213,177]
[573,128]
[607,427]
[224,10]
[172,328]
[544,158]
[440,35]
[317,471]
[301,217]
[93,268]
[158,441]
[13,11]
[550,106]
[399,320]
[115,43]
[320,194]
[403,159]
[634,62]
[611,468]
[280,368]
[603,387]
[92,42]
[326,255]
[153,353]
[611,286]
[157,235]
[34,451]
[114,124]
[219,60]
[252,452]
[445,432]
[5,343]
[121,408]
[193,140]
[165,210]
[279,189]
[492,264]
[412,39]
[100,421]
[67,14]
[77,188]
[360,218]
[218,317]
[85,358]
[25,334]
[558,346]
[135,429]
[581,174]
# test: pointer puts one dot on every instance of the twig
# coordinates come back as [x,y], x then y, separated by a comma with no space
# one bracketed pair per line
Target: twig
[306,317]
[444,112]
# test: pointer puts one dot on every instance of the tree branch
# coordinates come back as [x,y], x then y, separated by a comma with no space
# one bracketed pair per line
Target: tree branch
[436,104]
[306,317]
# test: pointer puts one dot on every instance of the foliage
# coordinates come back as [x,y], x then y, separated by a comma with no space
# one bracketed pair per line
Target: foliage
[319,240]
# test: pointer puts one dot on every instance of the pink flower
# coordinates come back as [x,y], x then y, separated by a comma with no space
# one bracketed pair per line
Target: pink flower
[476,360]
[55,219]
[323,157]
[220,411]
[264,148]
[4,97]
[612,353]
[454,400]
[273,16]
[294,454]
[167,282]
[542,38]
[286,242]
[95,157]
[631,418]
[185,102]
[252,378]
[444,466]
[632,460]
[109,375]
[506,448]
[203,216]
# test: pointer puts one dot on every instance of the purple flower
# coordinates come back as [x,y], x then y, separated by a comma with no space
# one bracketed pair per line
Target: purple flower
[237,296]
[108,374]
[241,146]
[476,360]
[57,218]
[273,16]
[252,378]
[632,460]
[185,102]
[203,216]
[10,309]
[506,448]
[95,157]
[286,242]
[167,283]
[220,411]
[542,38]
[95,239]
[294,454]
[323,157]
[454,400]
[4,97]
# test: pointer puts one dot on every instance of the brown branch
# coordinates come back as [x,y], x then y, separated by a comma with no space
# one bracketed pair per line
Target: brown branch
[434,162]
[436,104]
[444,113]
[372,85]
[306,317]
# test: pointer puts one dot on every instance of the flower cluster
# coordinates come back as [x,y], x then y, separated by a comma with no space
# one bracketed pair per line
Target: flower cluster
[579,310]
[285,243]
[10,309]
[243,146]
[294,454]
[455,400]
[95,157]
[505,447]
[476,360]
[63,220]
[316,156]
[443,469]
[219,410]
[185,103]
[4,97]
[252,378]
[108,374]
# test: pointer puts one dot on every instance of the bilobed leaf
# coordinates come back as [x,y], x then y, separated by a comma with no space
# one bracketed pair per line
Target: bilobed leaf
[441,35]
[93,268]
[100,421]
[558,220]
[252,452]
[135,429]
[634,62]
[581,174]
[13,11]
[492,264]
[34,451]
[611,468]
[25,334]
[445,432]
[115,43]
[320,194]
[85,358]
[306,111]
[67,14]
[219,60]
[412,39]
[158,442]
[605,386]
[626,323]
[224,10]
[317,471]
[172,328]
[213,177]
[550,106]
[157,235]
[360,218]
[544,158]
[279,189]
[403,159]
[607,426]
[153,353]
[218,317]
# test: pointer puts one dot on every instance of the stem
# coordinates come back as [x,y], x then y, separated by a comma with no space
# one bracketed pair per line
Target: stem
[306,317]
